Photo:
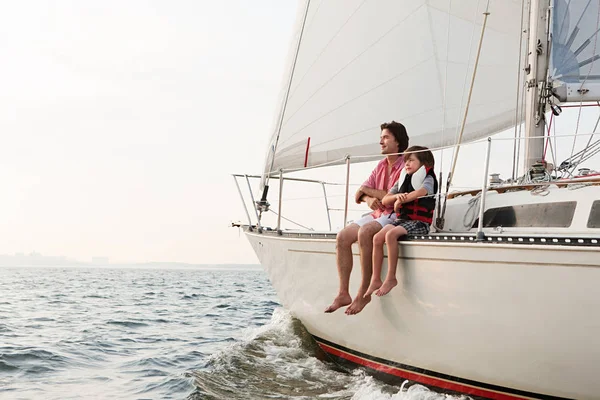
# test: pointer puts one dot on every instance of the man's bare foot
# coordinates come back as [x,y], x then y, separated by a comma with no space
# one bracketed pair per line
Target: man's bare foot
[386,287]
[358,304]
[340,301]
[373,286]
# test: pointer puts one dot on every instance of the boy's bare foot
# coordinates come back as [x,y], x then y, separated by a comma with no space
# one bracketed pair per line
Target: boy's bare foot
[340,301]
[387,286]
[373,286]
[357,305]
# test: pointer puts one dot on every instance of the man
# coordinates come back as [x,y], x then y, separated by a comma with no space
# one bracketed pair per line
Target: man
[393,140]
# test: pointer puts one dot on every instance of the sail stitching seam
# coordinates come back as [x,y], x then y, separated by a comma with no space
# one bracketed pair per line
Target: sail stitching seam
[342,69]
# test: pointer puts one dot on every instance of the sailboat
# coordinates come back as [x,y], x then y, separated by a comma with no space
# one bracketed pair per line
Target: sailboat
[500,299]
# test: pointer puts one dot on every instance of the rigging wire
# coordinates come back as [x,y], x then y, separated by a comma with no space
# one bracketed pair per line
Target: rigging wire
[462,99]
[555,148]
[522,113]
[587,146]
[371,157]
[570,172]
[519,91]
[438,223]
[293,222]
[466,113]
[549,126]
[445,85]
[440,220]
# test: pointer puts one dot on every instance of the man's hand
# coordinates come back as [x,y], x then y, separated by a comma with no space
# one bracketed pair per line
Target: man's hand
[363,193]
[374,203]
[397,206]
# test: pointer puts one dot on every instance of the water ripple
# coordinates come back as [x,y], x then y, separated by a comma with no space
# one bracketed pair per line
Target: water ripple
[164,334]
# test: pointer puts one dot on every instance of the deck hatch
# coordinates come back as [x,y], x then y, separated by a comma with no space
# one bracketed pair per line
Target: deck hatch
[539,215]
[594,219]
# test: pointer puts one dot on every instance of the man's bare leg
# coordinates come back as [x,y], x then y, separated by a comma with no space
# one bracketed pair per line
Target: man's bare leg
[378,243]
[365,243]
[391,239]
[343,251]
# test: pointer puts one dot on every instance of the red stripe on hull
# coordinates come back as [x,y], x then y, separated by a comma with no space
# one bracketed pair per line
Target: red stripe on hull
[420,378]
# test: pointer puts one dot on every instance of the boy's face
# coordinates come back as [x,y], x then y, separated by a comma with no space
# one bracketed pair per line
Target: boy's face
[388,143]
[412,164]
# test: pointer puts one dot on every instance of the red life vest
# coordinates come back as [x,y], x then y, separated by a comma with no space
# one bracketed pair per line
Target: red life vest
[419,209]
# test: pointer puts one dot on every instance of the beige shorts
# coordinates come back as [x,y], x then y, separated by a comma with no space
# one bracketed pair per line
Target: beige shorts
[384,219]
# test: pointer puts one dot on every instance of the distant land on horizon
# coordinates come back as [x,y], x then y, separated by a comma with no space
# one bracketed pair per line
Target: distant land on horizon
[190,265]
[37,260]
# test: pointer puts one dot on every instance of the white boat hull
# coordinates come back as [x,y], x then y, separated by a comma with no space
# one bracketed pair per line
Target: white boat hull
[492,320]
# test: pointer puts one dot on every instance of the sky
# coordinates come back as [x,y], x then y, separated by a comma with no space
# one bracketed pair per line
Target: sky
[121,122]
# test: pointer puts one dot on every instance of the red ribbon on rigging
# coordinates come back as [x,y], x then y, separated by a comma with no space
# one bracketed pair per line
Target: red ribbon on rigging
[306,154]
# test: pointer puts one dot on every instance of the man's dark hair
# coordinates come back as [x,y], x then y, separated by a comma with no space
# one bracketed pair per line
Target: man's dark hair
[423,154]
[399,132]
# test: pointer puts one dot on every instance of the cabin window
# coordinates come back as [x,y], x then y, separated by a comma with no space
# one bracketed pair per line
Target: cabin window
[594,220]
[541,215]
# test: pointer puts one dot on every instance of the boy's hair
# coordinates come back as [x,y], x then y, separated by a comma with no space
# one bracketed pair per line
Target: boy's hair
[423,154]
[399,132]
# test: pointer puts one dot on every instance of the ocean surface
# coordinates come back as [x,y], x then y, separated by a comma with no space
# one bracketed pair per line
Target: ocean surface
[134,333]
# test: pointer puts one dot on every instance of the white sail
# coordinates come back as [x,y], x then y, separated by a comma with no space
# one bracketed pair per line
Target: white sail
[575,52]
[355,64]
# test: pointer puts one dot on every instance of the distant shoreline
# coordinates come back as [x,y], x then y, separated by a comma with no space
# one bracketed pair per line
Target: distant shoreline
[151,265]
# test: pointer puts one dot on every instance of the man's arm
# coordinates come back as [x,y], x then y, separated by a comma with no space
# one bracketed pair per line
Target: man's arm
[389,199]
[370,192]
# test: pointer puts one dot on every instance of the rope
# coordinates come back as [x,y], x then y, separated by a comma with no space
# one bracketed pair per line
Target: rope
[472,211]
[541,190]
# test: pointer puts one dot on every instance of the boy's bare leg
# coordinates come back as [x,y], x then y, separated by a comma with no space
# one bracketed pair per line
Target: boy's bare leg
[378,242]
[343,250]
[391,239]
[365,243]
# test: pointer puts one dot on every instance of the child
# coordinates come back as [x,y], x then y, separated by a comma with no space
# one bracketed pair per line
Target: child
[413,200]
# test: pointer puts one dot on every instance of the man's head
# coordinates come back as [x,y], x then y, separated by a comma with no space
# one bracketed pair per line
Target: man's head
[394,138]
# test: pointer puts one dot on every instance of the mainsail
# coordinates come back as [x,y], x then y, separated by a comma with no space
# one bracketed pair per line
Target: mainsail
[355,64]
[574,64]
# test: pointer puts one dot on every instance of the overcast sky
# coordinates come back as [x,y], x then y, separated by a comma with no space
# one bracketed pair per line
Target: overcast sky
[122,120]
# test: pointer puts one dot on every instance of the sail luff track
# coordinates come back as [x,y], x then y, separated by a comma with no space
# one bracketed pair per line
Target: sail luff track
[289,85]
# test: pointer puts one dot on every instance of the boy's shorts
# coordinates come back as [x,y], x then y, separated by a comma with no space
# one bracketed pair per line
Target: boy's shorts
[413,227]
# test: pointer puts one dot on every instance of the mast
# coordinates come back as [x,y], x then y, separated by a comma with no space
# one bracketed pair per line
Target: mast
[536,79]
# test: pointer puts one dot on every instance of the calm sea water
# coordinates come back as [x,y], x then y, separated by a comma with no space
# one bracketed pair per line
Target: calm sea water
[103,333]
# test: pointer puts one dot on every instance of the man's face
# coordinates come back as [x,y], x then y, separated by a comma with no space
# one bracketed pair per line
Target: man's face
[388,143]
